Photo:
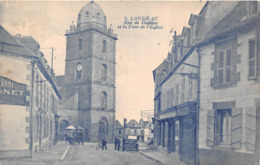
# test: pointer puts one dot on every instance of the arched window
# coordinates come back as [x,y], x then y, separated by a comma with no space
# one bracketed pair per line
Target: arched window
[79,44]
[104,100]
[78,70]
[104,47]
[104,72]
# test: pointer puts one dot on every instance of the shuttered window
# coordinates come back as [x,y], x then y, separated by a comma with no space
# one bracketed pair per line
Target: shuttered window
[224,127]
[252,59]
[250,128]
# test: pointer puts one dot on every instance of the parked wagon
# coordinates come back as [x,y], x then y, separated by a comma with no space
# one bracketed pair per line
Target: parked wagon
[132,143]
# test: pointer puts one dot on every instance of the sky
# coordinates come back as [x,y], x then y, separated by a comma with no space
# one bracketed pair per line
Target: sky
[138,51]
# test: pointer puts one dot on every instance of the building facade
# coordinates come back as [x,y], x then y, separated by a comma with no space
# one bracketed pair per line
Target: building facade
[28,98]
[90,72]
[218,57]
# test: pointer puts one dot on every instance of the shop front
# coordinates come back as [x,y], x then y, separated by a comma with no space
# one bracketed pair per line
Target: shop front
[176,131]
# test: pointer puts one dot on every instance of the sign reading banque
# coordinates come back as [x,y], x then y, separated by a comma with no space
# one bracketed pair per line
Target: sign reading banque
[12,93]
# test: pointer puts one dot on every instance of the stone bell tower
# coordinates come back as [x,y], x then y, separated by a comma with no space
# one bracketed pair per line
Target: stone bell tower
[90,71]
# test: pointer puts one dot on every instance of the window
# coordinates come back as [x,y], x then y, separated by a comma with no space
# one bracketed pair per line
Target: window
[135,131]
[177,94]
[37,89]
[172,97]
[224,66]
[223,125]
[183,90]
[181,47]
[79,44]
[104,72]
[119,131]
[252,7]
[104,47]
[104,100]
[252,59]
[190,89]
[159,105]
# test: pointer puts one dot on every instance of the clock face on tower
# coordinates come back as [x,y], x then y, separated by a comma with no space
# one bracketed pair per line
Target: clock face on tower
[79,67]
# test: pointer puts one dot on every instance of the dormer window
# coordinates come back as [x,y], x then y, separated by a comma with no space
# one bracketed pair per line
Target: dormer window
[98,14]
[87,13]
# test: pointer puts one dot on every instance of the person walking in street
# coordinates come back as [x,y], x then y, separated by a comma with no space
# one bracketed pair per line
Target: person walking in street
[115,143]
[123,144]
[118,144]
[104,144]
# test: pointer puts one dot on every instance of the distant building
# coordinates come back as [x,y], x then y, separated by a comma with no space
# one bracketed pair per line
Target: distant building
[28,98]
[143,130]
[133,128]
[148,131]
[119,129]
[89,80]
[209,84]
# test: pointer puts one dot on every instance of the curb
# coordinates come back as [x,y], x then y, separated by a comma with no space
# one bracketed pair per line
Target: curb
[149,157]
[58,162]
[65,153]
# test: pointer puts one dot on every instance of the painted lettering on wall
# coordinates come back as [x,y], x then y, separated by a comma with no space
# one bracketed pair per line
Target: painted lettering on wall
[12,93]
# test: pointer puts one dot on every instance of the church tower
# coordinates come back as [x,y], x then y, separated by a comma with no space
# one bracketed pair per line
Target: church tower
[90,72]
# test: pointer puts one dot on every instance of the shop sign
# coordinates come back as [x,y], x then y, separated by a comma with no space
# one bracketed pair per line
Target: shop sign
[12,92]
[182,111]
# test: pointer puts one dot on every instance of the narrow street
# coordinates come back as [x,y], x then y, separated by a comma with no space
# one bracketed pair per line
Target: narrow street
[82,155]
[87,154]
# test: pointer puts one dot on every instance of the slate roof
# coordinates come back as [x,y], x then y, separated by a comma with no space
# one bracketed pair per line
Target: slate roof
[10,45]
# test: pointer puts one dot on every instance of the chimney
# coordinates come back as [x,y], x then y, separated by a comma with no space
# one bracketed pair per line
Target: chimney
[125,122]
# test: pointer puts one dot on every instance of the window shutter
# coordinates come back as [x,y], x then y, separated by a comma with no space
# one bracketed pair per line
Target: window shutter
[250,129]
[210,128]
[236,126]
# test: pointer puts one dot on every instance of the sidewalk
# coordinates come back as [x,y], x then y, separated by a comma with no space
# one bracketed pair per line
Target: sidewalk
[44,157]
[162,157]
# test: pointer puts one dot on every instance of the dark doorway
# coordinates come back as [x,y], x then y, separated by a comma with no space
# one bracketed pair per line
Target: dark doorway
[103,129]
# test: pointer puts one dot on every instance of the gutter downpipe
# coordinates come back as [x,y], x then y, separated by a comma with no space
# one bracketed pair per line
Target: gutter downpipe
[31,108]
[198,109]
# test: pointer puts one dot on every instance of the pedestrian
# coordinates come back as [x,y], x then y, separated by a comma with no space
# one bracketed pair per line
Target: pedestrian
[123,144]
[115,143]
[118,144]
[104,144]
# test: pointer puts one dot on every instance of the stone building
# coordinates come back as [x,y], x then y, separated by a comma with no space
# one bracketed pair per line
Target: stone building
[28,98]
[220,63]
[90,72]
[175,100]
[119,130]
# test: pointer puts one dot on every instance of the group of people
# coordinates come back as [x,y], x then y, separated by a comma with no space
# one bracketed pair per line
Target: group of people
[76,136]
[118,144]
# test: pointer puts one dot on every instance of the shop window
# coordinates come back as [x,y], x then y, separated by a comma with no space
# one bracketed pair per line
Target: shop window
[252,59]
